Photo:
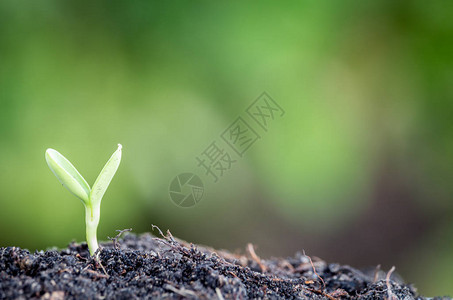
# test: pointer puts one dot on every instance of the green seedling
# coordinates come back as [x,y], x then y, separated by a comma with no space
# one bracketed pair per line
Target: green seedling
[91,198]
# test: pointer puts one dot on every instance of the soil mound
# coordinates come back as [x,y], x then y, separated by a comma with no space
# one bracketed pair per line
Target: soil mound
[146,267]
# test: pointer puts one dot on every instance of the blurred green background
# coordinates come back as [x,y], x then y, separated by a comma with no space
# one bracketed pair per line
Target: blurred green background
[358,171]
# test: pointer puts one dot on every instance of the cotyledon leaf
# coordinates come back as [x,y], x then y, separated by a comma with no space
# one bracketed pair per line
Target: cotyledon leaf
[68,175]
[105,177]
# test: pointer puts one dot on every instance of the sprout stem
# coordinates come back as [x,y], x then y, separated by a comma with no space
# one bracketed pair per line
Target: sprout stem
[92,215]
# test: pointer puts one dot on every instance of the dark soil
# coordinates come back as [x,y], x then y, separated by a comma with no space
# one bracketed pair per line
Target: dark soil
[145,267]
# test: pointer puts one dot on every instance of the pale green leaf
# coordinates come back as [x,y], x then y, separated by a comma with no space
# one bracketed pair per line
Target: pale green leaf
[68,175]
[105,177]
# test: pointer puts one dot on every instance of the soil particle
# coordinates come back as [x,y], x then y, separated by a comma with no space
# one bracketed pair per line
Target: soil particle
[146,267]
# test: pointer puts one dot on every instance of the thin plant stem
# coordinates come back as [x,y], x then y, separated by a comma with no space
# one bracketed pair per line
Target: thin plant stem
[92,215]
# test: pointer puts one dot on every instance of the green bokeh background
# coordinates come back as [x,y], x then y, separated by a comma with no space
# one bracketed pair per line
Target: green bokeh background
[359,169]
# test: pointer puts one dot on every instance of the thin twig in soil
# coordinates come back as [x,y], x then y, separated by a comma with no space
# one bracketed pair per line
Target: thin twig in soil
[285,263]
[170,236]
[160,231]
[182,292]
[80,257]
[219,294]
[115,239]
[319,292]
[314,270]
[166,243]
[171,242]
[234,275]
[103,269]
[338,293]
[255,257]
[303,267]
[165,238]
[376,273]
[97,273]
[389,288]
[97,260]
